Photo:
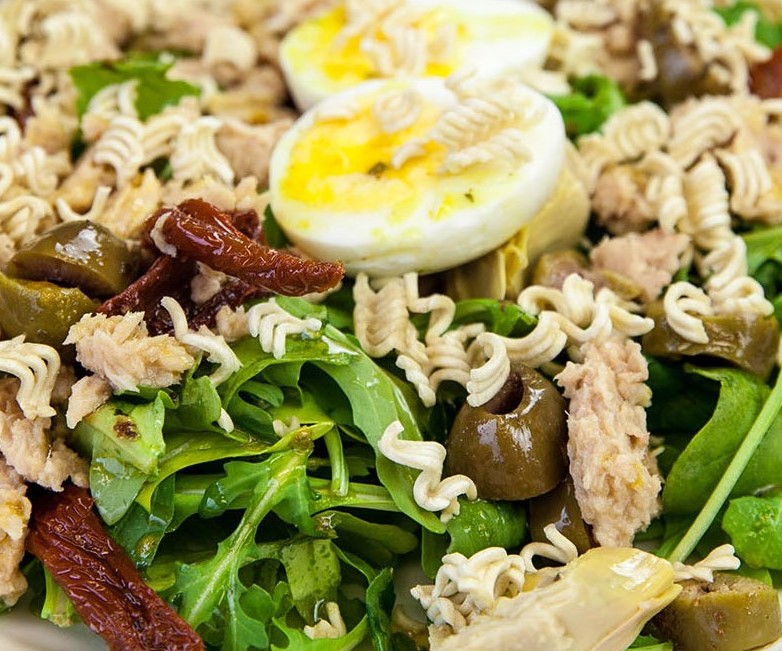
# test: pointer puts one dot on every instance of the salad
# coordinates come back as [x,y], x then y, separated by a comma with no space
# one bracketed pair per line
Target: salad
[294,294]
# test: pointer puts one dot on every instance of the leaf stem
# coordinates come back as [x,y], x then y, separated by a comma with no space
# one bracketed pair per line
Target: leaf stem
[732,474]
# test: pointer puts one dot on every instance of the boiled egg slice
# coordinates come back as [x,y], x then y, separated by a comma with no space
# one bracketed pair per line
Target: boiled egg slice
[365,39]
[421,175]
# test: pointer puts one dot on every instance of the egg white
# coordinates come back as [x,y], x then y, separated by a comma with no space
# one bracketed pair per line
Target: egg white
[498,37]
[332,206]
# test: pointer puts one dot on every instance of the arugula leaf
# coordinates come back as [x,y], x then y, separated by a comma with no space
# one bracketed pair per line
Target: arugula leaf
[501,317]
[313,572]
[140,532]
[187,449]
[748,449]
[154,91]
[125,442]
[380,602]
[593,100]
[682,401]
[202,586]
[131,432]
[379,543]
[198,407]
[705,460]
[754,524]
[373,416]
[650,643]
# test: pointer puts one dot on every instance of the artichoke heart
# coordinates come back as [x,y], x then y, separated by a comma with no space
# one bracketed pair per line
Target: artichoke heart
[502,273]
[600,603]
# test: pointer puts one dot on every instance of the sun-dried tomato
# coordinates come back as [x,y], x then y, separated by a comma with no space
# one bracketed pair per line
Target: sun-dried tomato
[99,577]
[200,231]
[766,78]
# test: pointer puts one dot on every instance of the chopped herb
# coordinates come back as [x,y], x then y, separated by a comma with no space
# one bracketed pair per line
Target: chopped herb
[377,169]
[470,196]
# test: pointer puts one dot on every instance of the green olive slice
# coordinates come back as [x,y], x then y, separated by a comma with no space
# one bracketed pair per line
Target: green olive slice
[77,254]
[41,311]
[513,447]
[734,613]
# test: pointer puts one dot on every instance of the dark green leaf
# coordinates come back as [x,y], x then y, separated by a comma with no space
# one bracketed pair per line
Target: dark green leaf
[380,602]
[186,449]
[140,532]
[130,432]
[682,402]
[154,90]
[198,408]
[202,586]
[114,484]
[373,416]
[502,317]
[313,572]
[703,462]
[272,232]
[754,525]
[593,100]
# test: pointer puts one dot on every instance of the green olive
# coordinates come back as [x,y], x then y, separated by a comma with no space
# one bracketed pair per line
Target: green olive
[734,613]
[77,254]
[513,447]
[41,311]
[560,507]
[747,340]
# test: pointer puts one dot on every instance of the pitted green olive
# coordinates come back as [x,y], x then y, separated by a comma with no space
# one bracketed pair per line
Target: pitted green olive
[734,613]
[41,311]
[513,447]
[559,506]
[77,254]
[747,340]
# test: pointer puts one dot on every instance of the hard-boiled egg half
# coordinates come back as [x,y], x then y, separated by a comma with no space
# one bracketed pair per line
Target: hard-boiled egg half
[420,175]
[367,39]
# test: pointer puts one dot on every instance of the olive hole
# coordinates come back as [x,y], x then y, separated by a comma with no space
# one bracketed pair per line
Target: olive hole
[508,398]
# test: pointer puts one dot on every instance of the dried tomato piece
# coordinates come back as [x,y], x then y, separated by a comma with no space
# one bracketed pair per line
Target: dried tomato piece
[766,78]
[200,231]
[99,577]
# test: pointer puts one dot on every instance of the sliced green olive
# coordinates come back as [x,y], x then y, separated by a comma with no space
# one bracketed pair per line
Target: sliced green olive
[513,447]
[41,311]
[78,254]
[735,613]
[747,340]
[560,507]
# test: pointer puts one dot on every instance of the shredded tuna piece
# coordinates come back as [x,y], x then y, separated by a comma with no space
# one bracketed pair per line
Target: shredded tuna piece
[649,259]
[87,395]
[28,449]
[615,476]
[120,350]
[15,511]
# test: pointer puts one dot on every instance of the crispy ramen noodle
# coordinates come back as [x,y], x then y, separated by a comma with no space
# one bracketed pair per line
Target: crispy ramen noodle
[36,366]
[272,325]
[430,491]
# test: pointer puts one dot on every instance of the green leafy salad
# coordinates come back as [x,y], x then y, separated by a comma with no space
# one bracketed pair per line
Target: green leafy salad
[313,337]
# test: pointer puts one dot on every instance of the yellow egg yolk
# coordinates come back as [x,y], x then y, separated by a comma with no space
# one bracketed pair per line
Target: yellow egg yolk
[320,42]
[343,166]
